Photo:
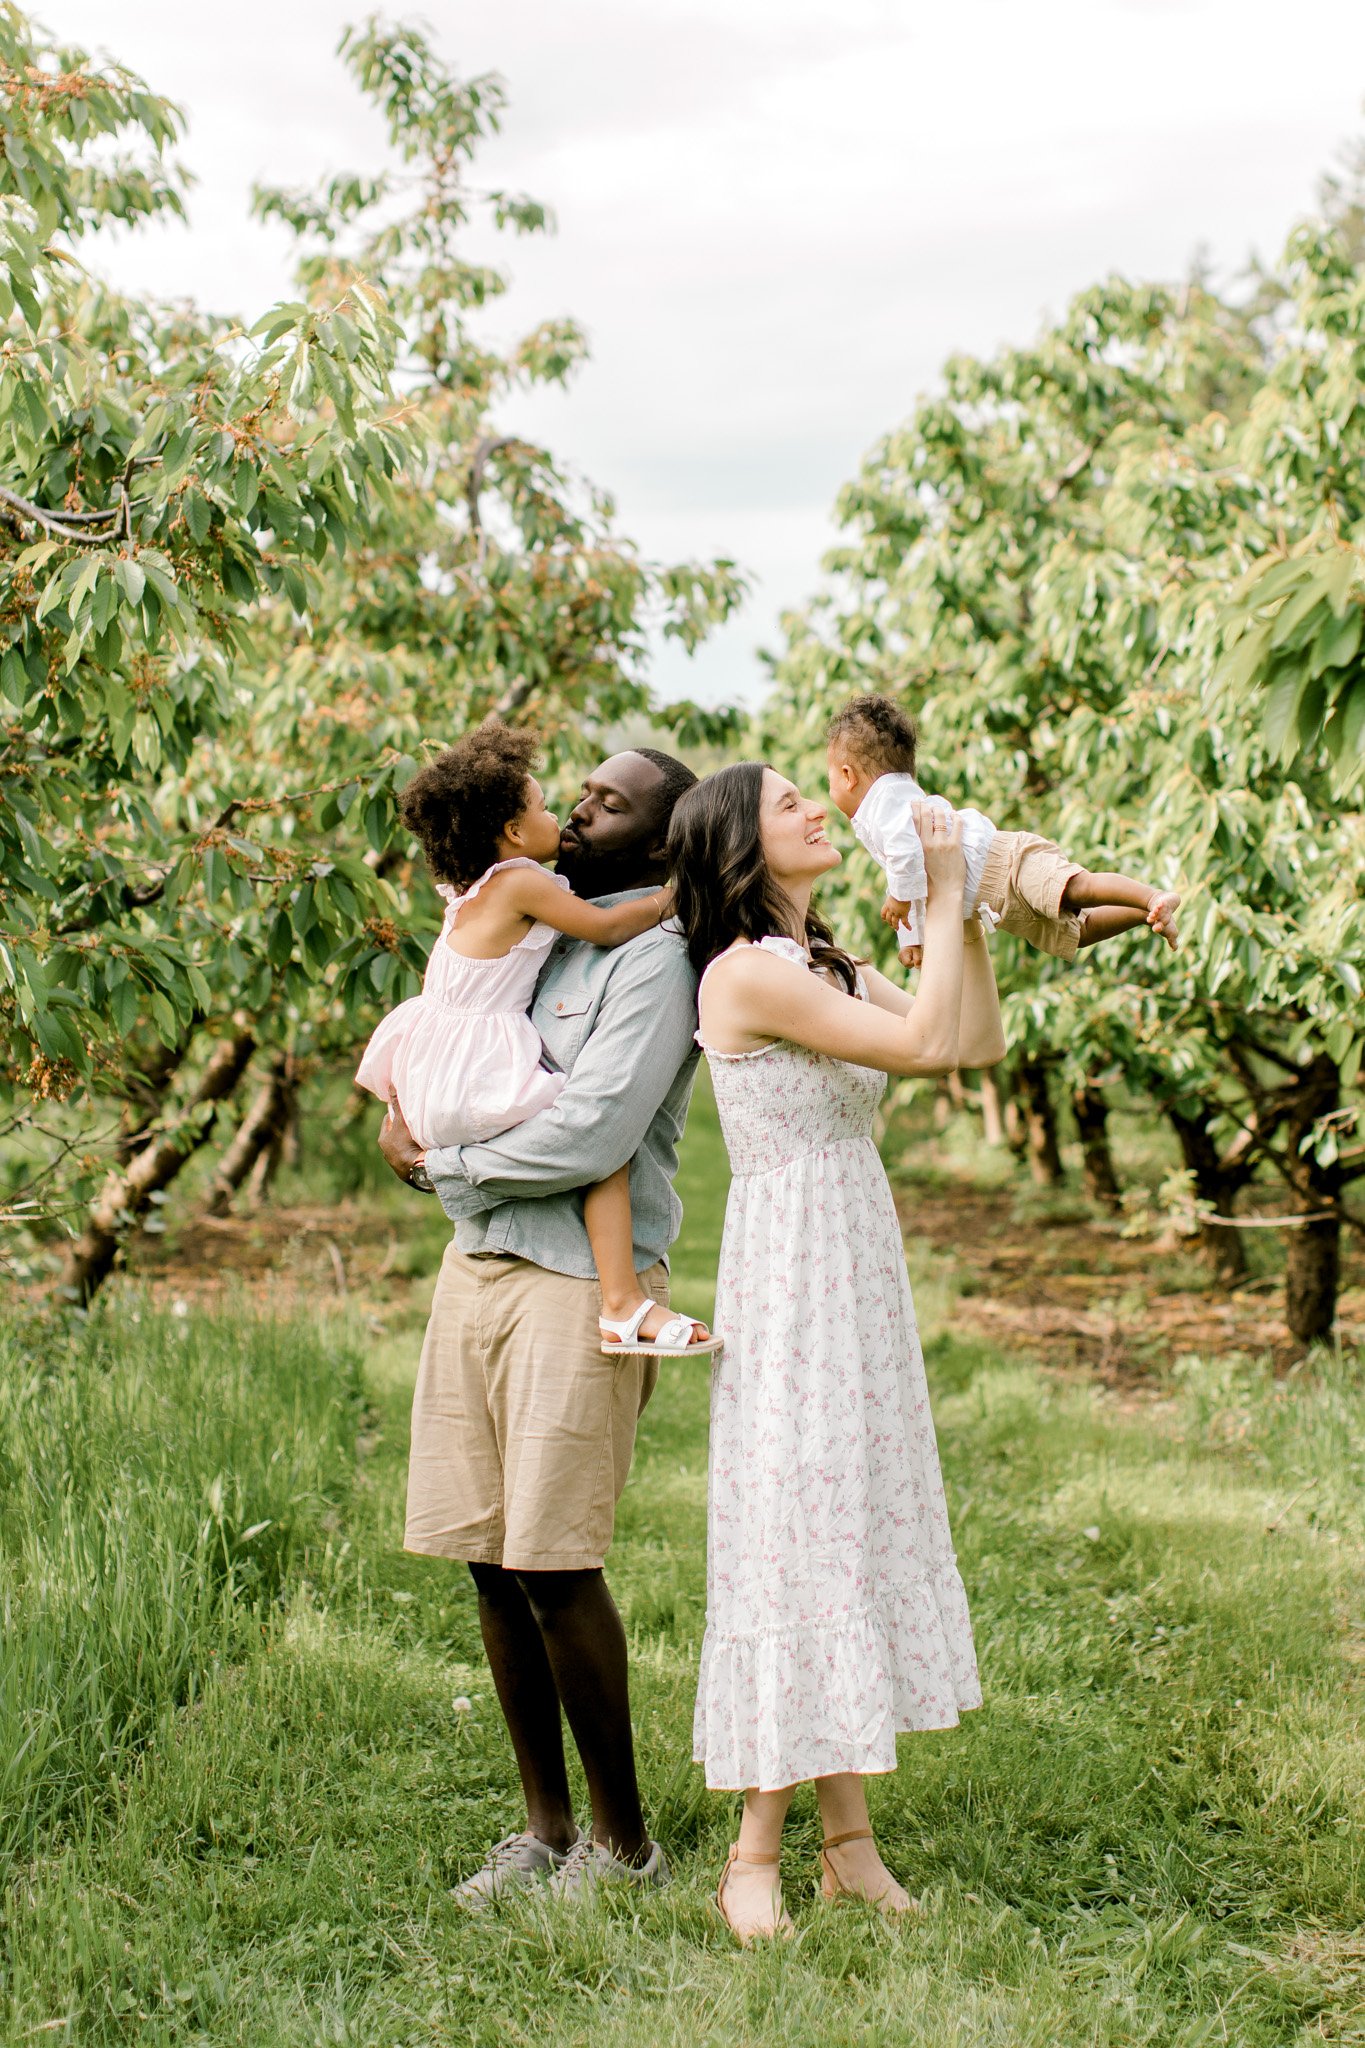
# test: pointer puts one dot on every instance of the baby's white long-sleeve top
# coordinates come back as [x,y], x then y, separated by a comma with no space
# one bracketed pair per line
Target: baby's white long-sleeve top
[885,826]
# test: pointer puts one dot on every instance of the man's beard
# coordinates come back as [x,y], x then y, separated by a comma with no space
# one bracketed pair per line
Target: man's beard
[589,873]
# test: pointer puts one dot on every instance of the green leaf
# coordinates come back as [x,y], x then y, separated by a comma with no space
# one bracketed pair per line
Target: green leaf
[197,515]
[1337,645]
[130,578]
[1282,703]
[164,1018]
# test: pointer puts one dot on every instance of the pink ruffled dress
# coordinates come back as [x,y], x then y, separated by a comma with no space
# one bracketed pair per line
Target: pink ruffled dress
[464,1057]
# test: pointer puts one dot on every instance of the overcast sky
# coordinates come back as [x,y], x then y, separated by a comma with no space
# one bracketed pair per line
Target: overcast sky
[775,217]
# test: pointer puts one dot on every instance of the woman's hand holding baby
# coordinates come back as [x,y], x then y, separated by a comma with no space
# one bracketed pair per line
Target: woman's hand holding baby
[945,864]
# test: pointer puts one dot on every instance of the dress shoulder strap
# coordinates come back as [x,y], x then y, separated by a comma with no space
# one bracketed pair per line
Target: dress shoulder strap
[785,949]
[455,902]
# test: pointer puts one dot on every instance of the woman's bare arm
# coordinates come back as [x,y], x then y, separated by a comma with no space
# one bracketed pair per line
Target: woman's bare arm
[753,997]
[981,1039]
[885,993]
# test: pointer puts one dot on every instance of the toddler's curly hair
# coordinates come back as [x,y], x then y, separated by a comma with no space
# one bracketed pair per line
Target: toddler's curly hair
[458,805]
[877,734]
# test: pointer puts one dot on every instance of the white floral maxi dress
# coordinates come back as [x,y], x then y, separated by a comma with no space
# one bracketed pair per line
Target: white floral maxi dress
[836,1617]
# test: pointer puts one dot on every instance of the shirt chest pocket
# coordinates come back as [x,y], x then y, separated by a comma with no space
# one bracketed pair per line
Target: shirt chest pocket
[563,1015]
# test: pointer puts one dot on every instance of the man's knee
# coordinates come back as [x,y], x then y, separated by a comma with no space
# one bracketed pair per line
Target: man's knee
[552,1595]
[495,1585]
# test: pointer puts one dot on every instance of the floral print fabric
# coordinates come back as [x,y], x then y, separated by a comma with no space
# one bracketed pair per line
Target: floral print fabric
[836,1617]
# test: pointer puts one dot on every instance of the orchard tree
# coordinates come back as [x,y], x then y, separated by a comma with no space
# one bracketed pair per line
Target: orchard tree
[168,478]
[250,575]
[1048,561]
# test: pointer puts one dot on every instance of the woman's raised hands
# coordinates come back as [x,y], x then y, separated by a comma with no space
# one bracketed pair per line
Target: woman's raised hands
[940,834]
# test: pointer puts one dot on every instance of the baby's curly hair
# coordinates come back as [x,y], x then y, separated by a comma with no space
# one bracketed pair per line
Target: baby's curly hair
[876,734]
[459,804]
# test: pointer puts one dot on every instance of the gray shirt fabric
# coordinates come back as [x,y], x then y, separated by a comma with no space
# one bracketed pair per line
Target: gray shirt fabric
[619,1021]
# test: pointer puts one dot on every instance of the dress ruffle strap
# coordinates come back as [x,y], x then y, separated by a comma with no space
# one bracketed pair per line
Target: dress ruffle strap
[786,949]
[457,902]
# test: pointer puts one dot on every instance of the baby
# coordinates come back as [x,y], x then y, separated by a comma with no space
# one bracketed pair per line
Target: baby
[463,1060]
[1023,883]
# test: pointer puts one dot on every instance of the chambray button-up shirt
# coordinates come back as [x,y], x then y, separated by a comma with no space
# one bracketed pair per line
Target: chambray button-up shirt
[619,1022]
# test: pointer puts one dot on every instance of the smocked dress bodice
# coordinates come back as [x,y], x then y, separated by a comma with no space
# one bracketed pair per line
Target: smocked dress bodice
[463,1057]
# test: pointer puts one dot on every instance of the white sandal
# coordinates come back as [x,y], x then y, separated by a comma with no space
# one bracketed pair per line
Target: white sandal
[673,1341]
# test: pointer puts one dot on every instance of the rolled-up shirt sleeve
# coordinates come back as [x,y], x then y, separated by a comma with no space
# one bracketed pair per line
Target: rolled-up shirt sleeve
[641,1036]
[903,855]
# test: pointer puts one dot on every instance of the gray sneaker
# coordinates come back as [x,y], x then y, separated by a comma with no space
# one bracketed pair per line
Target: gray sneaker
[510,1865]
[588,1864]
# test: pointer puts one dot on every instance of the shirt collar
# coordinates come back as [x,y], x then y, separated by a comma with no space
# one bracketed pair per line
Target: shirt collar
[885,791]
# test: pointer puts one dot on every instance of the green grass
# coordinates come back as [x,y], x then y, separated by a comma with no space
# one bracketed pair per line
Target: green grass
[236,1780]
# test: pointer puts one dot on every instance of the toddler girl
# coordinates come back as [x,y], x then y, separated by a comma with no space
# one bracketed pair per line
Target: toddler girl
[463,1058]
[1021,882]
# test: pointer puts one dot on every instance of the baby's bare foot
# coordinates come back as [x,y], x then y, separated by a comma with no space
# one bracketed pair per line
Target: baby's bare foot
[1161,917]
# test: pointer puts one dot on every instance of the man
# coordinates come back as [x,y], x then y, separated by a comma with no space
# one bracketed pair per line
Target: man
[522,1430]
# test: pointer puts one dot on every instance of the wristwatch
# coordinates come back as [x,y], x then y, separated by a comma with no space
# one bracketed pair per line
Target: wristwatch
[419,1178]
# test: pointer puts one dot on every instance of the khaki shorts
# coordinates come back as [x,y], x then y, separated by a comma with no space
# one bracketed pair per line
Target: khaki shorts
[522,1430]
[1023,883]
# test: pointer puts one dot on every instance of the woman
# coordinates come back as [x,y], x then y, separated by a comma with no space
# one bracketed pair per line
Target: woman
[835,1614]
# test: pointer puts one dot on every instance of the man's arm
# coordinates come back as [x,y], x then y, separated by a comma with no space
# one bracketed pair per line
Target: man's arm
[642,1035]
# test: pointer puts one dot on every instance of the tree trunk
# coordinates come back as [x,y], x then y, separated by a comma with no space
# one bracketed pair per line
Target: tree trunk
[147,1087]
[1217,1182]
[260,1132]
[1313,1251]
[1091,1112]
[128,1190]
[1040,1124]
[992,1111]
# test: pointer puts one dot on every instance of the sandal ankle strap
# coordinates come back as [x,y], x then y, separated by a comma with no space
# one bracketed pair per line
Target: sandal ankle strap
[738,1855]
[853,1835]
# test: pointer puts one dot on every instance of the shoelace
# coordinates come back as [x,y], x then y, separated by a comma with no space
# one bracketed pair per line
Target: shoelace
[583,1852]
[503,1853]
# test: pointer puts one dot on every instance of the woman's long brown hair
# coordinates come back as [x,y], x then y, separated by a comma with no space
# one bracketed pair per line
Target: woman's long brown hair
[723,886]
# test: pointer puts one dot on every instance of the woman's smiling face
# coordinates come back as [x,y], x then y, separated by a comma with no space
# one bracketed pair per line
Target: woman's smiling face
[792,831]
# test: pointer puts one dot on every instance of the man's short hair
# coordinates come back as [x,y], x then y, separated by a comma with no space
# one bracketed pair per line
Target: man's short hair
[677,779]
[876,734]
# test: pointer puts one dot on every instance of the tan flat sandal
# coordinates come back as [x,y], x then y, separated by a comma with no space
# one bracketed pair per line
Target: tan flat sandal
[832,1885]
[783,1929]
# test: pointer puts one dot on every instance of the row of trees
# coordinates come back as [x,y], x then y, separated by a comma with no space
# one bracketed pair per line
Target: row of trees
[246,574]
[1119,576]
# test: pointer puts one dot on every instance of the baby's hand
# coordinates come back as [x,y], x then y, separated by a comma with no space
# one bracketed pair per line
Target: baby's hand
[912,956]
[894,912]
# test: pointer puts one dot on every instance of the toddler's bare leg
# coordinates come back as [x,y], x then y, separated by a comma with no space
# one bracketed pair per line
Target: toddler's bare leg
[606,1214]
[1110,904]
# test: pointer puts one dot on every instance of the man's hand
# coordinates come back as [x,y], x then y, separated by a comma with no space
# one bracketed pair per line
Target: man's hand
[397,1143]
[894,912]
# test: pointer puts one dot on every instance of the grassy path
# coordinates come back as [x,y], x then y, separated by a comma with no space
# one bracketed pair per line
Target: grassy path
[257,1759]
